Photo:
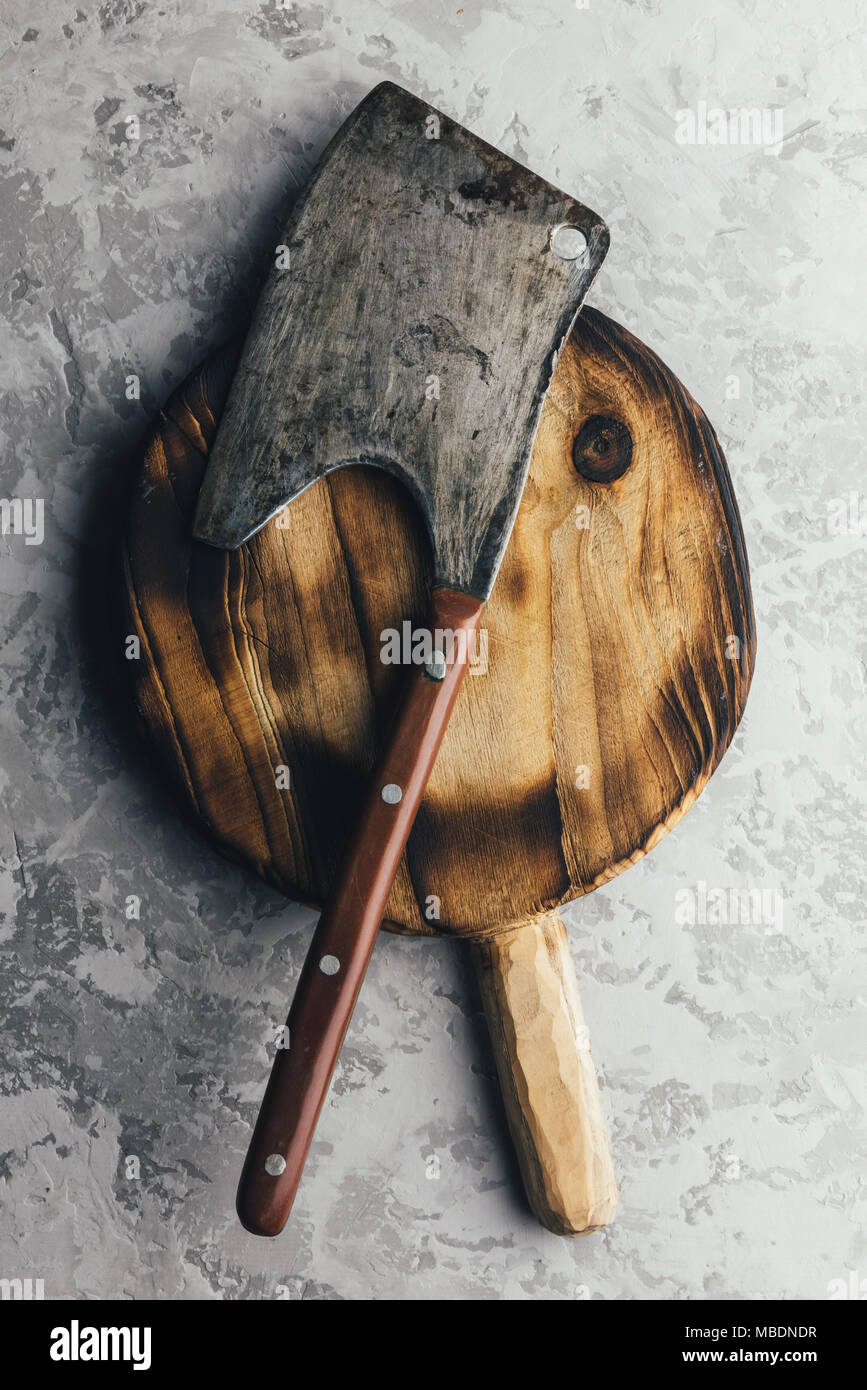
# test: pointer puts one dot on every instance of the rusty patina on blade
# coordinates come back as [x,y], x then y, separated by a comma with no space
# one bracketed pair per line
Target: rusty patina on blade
[416,328]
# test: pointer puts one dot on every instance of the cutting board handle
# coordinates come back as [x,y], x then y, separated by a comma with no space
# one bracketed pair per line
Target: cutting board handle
[548,1079]
[337,960]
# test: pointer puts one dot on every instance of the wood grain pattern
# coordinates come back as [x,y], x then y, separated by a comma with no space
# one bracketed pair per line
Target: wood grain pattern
[620,641]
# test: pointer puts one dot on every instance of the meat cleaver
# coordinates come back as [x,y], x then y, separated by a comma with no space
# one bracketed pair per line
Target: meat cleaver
[414,323]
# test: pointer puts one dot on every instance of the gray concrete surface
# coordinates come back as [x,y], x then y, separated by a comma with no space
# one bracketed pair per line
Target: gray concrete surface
[731,1055]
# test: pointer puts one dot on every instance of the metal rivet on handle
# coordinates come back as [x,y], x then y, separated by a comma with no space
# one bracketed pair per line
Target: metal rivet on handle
[275,1164]
[391,794]
[435,667]
[569,243]
[329,965]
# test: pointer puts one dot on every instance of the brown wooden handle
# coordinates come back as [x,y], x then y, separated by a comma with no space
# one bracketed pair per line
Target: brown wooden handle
[546,1071]
[343,941]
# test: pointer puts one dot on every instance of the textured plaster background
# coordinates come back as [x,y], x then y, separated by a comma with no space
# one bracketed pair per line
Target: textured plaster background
[731,1057]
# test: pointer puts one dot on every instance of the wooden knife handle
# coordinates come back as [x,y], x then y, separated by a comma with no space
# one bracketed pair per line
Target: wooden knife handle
[547,1076]
[343,941]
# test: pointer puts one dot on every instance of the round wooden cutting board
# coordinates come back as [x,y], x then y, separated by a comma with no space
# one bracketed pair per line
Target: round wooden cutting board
[611,673]
[620,645]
